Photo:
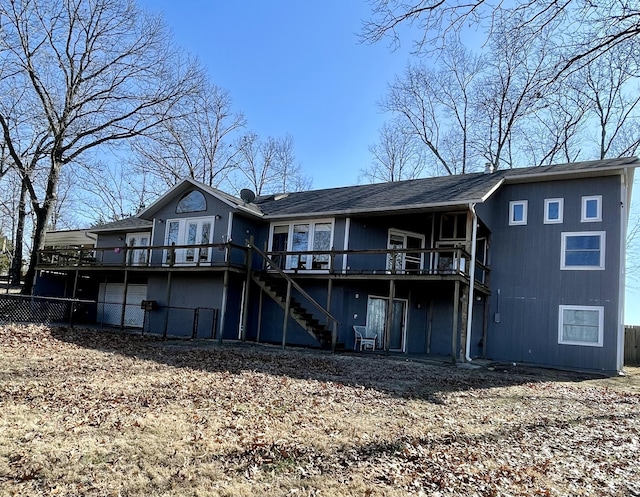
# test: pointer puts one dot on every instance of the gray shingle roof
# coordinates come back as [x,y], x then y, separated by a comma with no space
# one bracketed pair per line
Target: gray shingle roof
[418,193]
[127,224]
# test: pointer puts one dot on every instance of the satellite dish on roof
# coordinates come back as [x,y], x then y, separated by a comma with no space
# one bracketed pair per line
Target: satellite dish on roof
[247,195]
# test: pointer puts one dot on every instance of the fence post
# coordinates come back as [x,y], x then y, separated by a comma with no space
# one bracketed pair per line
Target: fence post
[196,313]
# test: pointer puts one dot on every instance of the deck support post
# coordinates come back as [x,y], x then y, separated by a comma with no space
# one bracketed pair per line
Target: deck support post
[464,319]
[389,315]
[454,331]
[260,298]
[247,284]
[124,298]
[73,297]
[223,305]
[329,291]
[167,300]
[287,308]
[429,325]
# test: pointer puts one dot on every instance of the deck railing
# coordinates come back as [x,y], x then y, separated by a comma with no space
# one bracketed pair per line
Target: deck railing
[443,261]
[160,256]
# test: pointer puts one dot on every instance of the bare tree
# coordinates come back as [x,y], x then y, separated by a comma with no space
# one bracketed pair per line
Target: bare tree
[268,166]
[395,157]
[614,106]
[198,143]
[82,74]
[588,29]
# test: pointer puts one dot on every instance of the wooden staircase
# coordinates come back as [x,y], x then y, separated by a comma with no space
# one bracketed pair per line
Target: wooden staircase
[276,288]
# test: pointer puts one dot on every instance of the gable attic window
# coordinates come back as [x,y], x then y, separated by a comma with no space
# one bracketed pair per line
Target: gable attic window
[193,201]
[518,212]
[553,210]
[581,325]
[591,209]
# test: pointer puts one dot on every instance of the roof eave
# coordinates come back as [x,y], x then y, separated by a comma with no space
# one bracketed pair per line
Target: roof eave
[376,210]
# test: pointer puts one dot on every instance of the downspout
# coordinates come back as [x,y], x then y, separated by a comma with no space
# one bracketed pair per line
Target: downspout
[472,280]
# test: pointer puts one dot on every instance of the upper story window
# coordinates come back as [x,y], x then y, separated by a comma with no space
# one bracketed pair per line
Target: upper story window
[453,226]
[553,210]
[581,325]
[591,209]
[302,236]
[583,250]
[518,212]
[193,201]
[189,231]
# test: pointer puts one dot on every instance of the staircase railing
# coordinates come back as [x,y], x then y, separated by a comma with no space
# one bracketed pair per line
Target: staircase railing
[291,283]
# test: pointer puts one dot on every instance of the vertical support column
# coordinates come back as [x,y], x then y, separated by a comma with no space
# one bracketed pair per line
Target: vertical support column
[73,298]
[389,314]
[287,308]
[223,305]
[464,318]
[259,315]
[429,326]
[124,298]
[454,331]
[247,284]
[167,300]
[329,291]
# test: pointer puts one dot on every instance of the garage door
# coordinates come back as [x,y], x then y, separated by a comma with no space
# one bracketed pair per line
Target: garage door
[110,299]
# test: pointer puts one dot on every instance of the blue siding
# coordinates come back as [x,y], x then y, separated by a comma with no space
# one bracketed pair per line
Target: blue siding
[528,285]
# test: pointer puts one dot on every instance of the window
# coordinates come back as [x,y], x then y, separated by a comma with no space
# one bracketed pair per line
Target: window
[583,250]
[453,226]
[553,210]
[581,325]
[138,257]
[193,201]
[405,261]
[591,209]
[302,237]
[518,212]
[191,231]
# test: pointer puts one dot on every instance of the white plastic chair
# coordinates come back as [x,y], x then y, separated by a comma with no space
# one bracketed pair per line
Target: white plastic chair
[365,337]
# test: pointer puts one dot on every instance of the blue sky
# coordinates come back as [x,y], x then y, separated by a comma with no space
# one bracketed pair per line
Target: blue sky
[296,67]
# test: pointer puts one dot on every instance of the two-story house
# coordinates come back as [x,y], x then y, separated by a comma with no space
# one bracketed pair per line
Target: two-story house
[522,265]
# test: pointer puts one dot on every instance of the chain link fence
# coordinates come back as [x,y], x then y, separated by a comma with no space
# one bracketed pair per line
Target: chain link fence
[200,322]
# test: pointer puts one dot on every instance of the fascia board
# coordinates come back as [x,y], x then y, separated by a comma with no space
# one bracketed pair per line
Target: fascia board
[349,212]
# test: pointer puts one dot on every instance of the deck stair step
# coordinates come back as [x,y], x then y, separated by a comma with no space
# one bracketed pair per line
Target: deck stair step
[276,288]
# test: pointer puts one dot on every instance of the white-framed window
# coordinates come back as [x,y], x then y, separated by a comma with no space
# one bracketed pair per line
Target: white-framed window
[581,325]
[301,236]
[189,231]
[405,261]
[553,210]
[591,209]
[138,257]
[583,250]
[518,212]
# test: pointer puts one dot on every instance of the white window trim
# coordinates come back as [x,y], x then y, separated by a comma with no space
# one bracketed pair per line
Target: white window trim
[583,215]
[405,234]
[548,201]
[603,240]
[525,208]
[598,308]
[291,224]
[182,224]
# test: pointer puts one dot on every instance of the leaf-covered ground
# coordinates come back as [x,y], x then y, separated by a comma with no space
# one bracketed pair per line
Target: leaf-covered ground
[92,413]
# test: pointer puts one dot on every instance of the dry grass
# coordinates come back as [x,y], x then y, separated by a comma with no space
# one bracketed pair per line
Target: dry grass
[90,413]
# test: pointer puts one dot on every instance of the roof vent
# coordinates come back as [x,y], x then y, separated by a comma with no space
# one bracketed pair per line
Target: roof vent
[488,168]
[280,196]
[247,195]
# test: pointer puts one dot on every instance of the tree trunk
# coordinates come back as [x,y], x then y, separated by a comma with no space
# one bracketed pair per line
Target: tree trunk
[38,238]
[16,265]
